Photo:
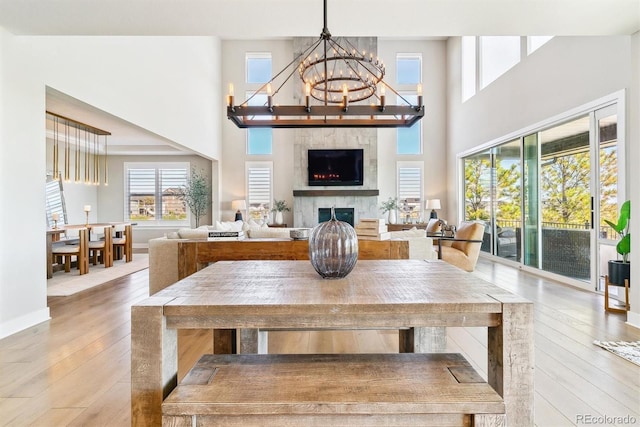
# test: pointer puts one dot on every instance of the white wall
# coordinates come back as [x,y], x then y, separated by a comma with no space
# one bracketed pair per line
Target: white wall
[234,146]
[434,78]
[170,86]
[564,74]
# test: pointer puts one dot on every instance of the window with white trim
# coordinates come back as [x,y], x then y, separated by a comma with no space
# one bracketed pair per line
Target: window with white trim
[536,42]
[410,190]
[409,140]
[259,140]
[152,193]
[258,69]
[468,64]
[408,68]
[259,189]
[498,54]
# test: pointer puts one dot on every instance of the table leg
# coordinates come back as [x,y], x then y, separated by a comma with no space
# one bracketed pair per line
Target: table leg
[154,362]
[49,256]
[511,359]
[254,341]
[423,340]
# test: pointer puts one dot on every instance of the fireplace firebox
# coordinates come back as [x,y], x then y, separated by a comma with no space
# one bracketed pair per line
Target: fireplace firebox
[342,214]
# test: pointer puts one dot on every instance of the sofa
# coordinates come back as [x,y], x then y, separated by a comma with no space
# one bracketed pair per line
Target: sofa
[165,267]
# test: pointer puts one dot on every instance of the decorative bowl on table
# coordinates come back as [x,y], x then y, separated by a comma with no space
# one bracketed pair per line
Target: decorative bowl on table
[299,234]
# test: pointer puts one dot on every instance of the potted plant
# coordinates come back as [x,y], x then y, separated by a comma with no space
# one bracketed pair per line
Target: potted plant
[279,206]
[391,205]
[619,270]
[196,194]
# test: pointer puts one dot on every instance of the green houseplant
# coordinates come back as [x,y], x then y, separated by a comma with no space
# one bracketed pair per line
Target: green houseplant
[619,270]
[279,206]
[390,206]
[196,194]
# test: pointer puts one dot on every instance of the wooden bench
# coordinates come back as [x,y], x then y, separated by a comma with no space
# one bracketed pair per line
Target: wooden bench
[333,389]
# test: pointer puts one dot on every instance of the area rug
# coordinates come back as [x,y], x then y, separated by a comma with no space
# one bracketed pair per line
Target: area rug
[627,350]
[65,284]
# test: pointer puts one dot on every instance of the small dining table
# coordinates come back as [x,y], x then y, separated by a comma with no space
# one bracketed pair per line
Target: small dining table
[54,233]
[407,295]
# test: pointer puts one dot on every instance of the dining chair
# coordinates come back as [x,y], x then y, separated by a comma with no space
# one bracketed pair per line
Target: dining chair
[102,245]
[123,241]
[78,249]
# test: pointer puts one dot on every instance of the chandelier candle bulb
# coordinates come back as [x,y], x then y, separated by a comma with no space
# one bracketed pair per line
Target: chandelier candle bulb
[230,98]
[345,97]
[419,90]
[269,98]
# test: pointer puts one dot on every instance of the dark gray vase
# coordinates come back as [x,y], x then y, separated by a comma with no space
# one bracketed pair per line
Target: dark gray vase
[333,248]
[618,272]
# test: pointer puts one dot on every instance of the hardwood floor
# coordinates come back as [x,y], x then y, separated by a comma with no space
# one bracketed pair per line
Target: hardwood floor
[75,369]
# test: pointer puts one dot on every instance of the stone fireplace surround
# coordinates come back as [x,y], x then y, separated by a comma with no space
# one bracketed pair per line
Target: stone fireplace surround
[307,200]
[363,198]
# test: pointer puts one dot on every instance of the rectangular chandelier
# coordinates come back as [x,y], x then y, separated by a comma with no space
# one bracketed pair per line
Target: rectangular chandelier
[341,80]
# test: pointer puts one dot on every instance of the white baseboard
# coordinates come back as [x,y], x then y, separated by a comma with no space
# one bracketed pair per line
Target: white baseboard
[23,322]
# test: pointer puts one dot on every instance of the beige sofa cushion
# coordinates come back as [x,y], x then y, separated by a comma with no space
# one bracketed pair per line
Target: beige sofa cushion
[190,233]
[406,234]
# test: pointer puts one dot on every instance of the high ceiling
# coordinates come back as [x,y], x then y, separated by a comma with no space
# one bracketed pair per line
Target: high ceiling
[234,19]
[272,19]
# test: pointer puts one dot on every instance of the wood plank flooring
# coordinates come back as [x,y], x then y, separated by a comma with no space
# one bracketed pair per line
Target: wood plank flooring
[75,369]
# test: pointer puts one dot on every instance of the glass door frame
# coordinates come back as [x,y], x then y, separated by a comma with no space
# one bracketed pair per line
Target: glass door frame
[613,108]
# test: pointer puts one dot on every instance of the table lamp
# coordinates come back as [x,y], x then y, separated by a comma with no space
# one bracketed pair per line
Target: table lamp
[433,204]
[87,209]
[55,217]
[238,206]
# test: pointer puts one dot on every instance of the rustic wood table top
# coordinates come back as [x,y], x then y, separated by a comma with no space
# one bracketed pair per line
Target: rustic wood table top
[290,294]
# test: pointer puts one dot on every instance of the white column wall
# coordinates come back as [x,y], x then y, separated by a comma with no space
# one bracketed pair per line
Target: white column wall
[168,85]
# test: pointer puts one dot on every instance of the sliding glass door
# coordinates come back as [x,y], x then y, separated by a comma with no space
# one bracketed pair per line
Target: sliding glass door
[543,197]
[565,199]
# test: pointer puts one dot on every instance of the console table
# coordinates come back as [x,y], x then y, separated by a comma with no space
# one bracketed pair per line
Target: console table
[397,294]
[400,227]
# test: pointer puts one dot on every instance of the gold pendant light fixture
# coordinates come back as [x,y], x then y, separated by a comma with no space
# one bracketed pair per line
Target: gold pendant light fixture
[90,143]
[341,79]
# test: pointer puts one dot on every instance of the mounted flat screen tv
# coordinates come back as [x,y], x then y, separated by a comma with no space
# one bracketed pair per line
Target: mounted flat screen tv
[335,167]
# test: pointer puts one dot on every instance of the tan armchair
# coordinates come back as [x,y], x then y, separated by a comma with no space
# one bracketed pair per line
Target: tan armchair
[463,252]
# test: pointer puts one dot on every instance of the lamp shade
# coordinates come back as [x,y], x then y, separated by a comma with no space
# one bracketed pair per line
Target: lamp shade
[433,204]
[239,205]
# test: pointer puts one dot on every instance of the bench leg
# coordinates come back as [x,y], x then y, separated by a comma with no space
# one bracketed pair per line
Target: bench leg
[224,341]
[423,340]
[489,420]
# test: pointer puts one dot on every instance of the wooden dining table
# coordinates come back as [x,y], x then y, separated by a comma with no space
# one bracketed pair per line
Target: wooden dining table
[54,234]
[400,294]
